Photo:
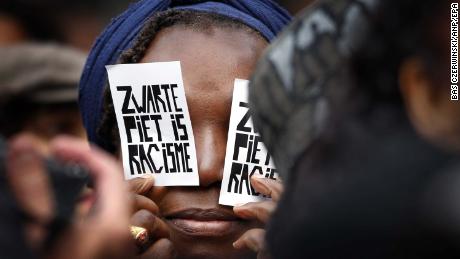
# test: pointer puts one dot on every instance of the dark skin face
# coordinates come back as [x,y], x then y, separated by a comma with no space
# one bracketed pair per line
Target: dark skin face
[210,61]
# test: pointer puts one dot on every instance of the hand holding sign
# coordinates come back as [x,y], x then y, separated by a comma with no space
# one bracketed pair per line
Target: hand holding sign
[254,239]
[146,215]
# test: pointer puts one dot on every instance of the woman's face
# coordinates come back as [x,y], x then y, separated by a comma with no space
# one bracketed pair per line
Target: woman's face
[210,61]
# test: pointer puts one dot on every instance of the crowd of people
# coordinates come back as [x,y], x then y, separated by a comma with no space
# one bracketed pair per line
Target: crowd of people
[351,97]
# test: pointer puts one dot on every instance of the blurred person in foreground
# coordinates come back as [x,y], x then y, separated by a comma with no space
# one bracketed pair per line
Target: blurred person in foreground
[353,101]
[38,96]
[28,205]
[39,91]
[38,102]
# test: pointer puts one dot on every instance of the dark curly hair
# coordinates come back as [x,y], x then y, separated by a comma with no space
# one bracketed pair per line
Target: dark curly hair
[195,20]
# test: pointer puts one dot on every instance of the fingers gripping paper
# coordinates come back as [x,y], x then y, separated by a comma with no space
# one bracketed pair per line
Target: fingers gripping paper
[246,154]
[154,122]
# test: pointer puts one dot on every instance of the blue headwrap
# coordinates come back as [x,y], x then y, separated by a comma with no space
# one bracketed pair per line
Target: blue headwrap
[264,16]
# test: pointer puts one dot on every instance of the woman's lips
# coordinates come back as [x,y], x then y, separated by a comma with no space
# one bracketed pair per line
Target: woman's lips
[206,223]
[202,228]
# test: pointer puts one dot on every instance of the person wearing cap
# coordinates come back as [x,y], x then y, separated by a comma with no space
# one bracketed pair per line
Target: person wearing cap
[38,86]
[39,91]
[216,42]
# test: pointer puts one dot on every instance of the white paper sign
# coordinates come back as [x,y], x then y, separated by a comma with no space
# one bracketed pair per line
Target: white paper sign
[154,122]
[246,154]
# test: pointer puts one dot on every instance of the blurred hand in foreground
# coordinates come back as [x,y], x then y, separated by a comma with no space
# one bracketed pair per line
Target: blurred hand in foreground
[103,233]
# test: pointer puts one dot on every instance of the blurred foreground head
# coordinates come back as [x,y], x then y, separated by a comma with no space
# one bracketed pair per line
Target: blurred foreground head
[346,57]
[354,103]
[38,86]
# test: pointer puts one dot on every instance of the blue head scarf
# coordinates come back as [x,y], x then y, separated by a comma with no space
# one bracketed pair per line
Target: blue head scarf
[264,16]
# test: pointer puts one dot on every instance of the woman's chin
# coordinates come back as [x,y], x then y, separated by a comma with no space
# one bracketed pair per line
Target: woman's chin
[200,252]
[205,246]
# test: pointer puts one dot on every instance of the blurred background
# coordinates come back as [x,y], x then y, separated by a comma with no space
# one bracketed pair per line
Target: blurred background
[72,23]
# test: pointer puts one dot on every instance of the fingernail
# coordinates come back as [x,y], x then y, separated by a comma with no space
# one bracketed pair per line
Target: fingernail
[243,213]
[259,179]
[258,176]
[236,245]
[147,176]
[262,187]
[239,205]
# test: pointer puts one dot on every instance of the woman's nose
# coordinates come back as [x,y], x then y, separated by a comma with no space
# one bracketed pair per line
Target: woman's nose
[210,147]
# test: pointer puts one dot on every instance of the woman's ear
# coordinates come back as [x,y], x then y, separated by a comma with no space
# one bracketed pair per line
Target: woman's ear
[431,112]
[415,90]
